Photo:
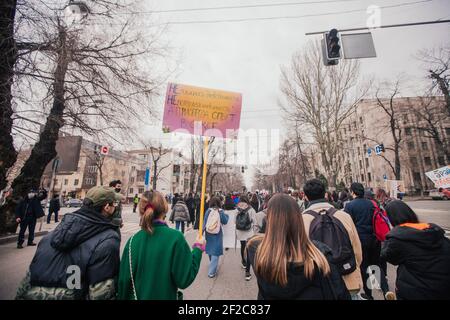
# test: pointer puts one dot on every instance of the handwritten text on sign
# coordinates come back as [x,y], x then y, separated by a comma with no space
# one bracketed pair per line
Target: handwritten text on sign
[440,177]
[216,112]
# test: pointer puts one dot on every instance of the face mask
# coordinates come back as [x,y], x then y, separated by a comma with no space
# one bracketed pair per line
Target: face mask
[117,190]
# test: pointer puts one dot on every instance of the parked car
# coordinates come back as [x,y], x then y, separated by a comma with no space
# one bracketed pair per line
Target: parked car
[74,203]
[440,194]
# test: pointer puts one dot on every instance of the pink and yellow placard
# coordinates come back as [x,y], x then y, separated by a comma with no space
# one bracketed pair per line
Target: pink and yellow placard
[201,111]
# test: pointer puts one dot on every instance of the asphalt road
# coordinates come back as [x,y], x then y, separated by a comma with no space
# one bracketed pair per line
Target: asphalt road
[229,283]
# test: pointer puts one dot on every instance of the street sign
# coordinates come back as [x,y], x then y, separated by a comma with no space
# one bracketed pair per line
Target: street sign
[378,149]
[358,45]
[104,150]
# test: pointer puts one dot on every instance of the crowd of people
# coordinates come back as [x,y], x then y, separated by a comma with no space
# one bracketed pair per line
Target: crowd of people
[310,244]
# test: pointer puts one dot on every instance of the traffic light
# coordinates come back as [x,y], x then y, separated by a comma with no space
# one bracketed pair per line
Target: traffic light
[332,45]
[242,169]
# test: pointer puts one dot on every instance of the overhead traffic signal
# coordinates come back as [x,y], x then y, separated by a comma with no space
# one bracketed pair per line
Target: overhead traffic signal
[332,45]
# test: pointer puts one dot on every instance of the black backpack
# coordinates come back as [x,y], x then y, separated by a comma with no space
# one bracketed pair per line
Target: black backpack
[243,221]
[327,229]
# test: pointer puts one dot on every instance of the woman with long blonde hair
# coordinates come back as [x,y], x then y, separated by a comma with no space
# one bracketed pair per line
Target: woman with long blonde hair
[286,263]
[157,261]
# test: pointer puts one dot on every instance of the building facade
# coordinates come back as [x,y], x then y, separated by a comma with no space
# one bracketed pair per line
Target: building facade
[370,126]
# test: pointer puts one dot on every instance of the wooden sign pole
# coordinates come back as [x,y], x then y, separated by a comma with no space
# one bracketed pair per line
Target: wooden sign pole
[202,200]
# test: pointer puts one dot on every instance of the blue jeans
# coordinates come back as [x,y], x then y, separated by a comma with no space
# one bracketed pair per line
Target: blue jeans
[179,224]
[213,262]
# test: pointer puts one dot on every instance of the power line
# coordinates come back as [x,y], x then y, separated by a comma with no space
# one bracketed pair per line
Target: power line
[280,17]
[243,7]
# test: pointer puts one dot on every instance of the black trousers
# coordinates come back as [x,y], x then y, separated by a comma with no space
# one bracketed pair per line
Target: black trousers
[245,260]
[49,217]
[371,249]
[30,223]
[134,207]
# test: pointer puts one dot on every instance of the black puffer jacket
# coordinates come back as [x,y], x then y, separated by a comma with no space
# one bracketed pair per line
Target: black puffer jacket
[84,238]
[298,286]
[423,258]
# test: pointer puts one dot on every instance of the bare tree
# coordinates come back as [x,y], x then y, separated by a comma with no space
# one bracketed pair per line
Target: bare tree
[430,119]
[438,64]
[320,98]
[157,153]
[97,81]
[8,56]
[393,125]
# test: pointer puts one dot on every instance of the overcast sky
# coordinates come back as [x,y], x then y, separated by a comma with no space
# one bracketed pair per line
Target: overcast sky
[246,56]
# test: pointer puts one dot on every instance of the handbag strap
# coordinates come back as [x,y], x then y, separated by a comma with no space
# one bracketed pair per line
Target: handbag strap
[131,269]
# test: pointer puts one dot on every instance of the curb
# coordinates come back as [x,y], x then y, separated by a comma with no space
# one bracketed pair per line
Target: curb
[15,237]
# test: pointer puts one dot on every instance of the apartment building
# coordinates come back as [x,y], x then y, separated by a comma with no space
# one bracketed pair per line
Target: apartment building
[370,126]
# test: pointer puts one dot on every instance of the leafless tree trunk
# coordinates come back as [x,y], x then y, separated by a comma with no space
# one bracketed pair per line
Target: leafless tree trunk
[320,98]
[8,154]
[157,153]
[394,127]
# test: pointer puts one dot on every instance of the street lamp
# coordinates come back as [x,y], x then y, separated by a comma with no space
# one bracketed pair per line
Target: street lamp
[75,11]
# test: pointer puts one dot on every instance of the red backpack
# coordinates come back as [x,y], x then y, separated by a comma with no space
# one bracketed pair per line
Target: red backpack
[380,222]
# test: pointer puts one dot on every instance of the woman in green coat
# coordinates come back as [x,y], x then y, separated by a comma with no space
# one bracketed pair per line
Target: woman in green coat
[161,260]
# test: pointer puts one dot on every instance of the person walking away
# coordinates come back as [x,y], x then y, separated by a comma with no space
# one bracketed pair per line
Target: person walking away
[191,207]
[254,202]
[117,216]
[291,266]
[245,222]
[54,207]
[85,242]
[362,210]
[215,217]
[382,197]
[157,261]
[27,212]
[336,229]
[197,211]
[135,202]
[180,215]
[422,253]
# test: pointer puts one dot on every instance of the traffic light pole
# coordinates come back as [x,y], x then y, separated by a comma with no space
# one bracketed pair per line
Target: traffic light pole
[384,27]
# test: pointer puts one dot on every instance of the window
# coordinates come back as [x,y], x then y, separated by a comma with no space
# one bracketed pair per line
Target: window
[56,182]
[367,163]
[362,177]
[405,118]
[441,161]
[133,168]
[411,145]
[92,169]
[66,182]
[408,131]
[427,161]
[140,175]
[359,153]
[447,131]
[75,182]
[89,181]
[143,156]
[132,180]
[413,161]
[123,173]
[424,146]
[176,170]
[360,164]
[416,176]
[369,176]
[141,190]
[131,190]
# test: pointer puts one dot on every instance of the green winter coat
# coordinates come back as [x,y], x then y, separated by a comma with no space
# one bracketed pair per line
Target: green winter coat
[161,262]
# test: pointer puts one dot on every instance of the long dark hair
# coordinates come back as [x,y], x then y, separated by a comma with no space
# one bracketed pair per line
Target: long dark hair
[286,241]
[399,212]
[229,203]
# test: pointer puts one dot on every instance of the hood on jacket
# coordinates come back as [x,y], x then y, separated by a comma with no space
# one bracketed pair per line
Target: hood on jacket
[77,227]
[423,235]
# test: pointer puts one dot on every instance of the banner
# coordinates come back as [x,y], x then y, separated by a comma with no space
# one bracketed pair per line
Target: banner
[440,177]
[394,187]
[201,111]
[229,231]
